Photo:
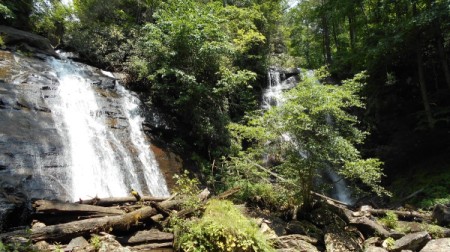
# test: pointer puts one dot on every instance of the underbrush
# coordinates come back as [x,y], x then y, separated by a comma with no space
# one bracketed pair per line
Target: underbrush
[221,228]
[433,178]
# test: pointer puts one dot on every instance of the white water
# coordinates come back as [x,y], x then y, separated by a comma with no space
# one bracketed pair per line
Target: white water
[99,164]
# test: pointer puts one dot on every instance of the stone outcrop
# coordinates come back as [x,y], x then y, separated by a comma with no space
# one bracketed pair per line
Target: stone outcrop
[438,245]
[441,214]
[292,243]
[414,241]
[33,158]
[369,227]
[18,39]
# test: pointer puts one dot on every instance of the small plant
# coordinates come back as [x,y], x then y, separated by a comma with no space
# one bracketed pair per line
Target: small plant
[96,242]
[435,231]
[390,220]
[188,188]
[389,243]
[2,43]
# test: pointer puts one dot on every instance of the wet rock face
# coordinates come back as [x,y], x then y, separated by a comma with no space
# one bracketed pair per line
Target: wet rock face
[27,133]
[33,154]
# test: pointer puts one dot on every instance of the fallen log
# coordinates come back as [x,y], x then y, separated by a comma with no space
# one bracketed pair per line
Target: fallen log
[321,196]
[118,200]
[57,207]
[404,215]
[67,231]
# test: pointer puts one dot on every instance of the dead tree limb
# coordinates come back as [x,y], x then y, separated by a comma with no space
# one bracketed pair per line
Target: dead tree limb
[118,200]
[328,198]
[47,206]
[404,215]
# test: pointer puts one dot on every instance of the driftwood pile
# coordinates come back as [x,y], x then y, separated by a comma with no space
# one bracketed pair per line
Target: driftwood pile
[134,223]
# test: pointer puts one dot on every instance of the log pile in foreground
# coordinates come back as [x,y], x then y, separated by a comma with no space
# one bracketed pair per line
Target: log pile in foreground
[132,223]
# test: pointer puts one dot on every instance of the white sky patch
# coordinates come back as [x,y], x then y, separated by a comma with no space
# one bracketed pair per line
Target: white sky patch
[66,2]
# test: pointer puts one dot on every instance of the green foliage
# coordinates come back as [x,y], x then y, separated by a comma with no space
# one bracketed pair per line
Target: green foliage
[188,188]
[16,246]
[435,231]
[5,12]
[49,18]
[95,242]
[222,228]
[389,242]
[312,130]
[187,57]
[390,220]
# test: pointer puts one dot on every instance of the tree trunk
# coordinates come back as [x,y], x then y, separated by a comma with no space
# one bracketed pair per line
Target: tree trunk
[326,40]
[444,61]
[423,87]
[351,26]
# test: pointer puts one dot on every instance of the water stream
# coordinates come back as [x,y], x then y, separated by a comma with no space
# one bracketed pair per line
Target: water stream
[106,150]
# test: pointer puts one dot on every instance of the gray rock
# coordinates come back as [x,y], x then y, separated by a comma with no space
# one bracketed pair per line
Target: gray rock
[78,242]
[414,241]
[438,245]
[375,249]
[396,235]
[109,243]
[304,228]
[441,214]
[369,227]
[291,243]
[14,37]
[341,242]
[41,246]
[372,242]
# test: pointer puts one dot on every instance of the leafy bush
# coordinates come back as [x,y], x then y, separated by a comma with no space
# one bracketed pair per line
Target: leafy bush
[390,220]
[222,228]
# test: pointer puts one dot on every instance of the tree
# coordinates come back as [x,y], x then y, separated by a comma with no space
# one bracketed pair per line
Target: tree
[187,58]
[312,131]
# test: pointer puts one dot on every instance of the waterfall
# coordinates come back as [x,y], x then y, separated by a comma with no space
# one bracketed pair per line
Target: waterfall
[273,96]
[106,149]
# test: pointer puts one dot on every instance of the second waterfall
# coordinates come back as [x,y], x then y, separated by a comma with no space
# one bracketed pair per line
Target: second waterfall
[100,123]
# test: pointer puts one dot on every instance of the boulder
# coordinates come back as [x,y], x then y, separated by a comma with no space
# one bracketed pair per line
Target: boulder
[369,227]
[438,245]
[109,243]
[374,249]
[14,37]
[342,241]
[77,243]
[441,214]
[414,241]
[372,242]
[292,243]
[304,228]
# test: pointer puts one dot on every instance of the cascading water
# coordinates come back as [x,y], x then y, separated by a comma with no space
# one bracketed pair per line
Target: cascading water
[91,124]
[274,96]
